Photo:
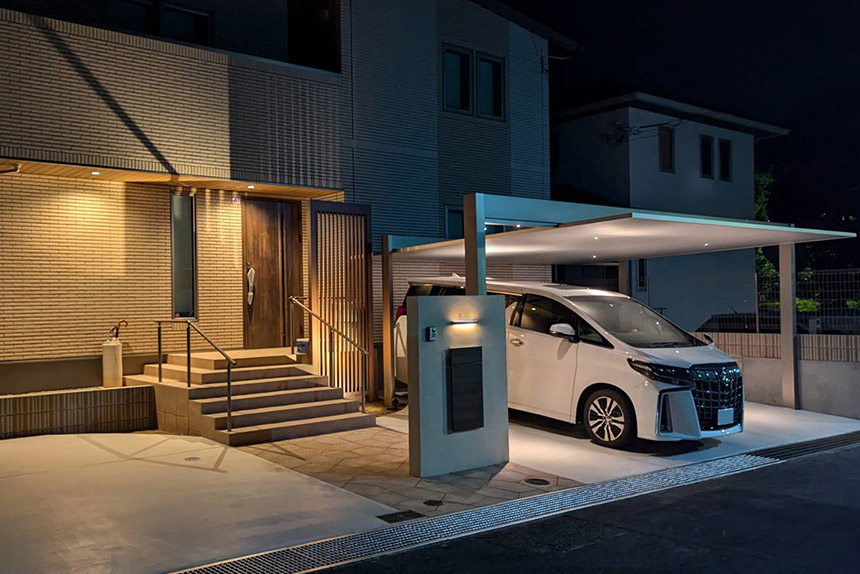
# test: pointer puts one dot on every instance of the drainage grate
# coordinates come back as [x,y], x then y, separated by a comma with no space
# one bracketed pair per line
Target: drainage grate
[354,547]
[795,450]
[400,516]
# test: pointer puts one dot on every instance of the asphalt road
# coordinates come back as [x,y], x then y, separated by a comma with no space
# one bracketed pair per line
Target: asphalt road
[799,516]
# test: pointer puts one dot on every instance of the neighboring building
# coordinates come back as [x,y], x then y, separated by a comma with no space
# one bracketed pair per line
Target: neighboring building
[138,138]
[648,152]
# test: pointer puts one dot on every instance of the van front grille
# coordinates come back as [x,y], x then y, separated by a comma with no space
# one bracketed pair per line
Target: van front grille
[717,387]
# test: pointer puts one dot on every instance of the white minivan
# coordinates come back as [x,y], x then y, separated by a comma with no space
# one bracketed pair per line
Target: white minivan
[604,360]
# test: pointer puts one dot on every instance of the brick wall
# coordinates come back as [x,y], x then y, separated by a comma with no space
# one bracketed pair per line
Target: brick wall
[78,255]
[89,96]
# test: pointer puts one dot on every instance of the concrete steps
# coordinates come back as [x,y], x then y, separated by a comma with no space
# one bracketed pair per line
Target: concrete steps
[273,397]
[244,358]
[283,413]
[267,399]
[203,376]
[295,429]
[198,391]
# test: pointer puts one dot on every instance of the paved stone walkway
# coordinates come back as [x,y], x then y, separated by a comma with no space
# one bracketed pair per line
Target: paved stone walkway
[374,463]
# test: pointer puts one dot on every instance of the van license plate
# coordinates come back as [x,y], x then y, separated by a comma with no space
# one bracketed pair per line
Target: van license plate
[725,416]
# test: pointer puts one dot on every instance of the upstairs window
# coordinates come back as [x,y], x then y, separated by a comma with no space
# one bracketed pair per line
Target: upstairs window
[313,33]
[491,87]
[666,149]
[164,19]
[458,80]
[725,160]
[186,25]
[706,153]
[136,16]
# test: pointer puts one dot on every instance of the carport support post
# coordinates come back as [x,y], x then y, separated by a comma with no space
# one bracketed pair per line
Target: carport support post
[476,246]
[624,277]
[788,326]
[387,321]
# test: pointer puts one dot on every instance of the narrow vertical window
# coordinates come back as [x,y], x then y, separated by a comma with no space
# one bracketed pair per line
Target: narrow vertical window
[491,87]
[706,152]
[453,222]
[183,255]
[726,160]
[666,149]
[642,274]
[458,80]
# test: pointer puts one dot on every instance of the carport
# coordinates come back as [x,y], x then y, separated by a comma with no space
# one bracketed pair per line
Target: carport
[551,232]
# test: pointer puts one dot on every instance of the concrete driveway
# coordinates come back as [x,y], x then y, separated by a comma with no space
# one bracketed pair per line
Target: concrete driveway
[564,450]
[154,503]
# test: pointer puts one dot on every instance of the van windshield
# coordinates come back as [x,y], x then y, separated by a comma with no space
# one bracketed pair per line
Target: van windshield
[633,322]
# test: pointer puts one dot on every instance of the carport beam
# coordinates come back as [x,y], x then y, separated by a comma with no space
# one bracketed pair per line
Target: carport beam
[788,326]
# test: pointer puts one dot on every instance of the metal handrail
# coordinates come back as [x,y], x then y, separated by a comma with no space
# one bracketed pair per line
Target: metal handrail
[189,324]
[331,330]
[346,337]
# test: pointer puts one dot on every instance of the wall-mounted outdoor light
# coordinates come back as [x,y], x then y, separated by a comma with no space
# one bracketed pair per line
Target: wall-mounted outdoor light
[465,321]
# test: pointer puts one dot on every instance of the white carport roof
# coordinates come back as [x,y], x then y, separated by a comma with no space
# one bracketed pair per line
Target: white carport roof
[552,232]
[625,235]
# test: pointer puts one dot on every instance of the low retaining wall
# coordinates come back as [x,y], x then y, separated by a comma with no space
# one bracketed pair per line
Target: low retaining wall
[829,387]
[98,410]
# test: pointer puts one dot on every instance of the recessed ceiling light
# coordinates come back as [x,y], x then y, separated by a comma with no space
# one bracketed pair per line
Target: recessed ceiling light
[594,256]
[250,187]
[596,238]
[706,244]
[95,173]
[518,225]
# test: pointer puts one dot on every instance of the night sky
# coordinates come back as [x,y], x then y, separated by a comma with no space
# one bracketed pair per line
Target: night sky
[793,64]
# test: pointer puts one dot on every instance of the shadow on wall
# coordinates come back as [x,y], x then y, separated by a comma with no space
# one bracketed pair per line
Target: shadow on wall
[96,85]
[284,125]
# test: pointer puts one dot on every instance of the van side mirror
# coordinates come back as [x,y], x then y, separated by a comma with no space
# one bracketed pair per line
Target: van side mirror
[563,330]
[708,338]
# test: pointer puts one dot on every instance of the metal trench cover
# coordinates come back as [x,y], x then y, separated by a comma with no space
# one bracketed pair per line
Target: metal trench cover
[354,547]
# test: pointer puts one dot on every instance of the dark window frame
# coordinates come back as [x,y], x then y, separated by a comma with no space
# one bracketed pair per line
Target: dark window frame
[660,131]
[196,263]
[178,7]
[642,275]
[449,209]
[158,7]
[702,173]
[446,48]
[726,176]
[503,85]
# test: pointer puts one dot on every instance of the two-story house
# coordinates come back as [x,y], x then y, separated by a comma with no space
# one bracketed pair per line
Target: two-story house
[649,152]
[165,160]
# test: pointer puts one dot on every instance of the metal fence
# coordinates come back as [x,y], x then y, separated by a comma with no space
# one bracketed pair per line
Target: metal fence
[828,303]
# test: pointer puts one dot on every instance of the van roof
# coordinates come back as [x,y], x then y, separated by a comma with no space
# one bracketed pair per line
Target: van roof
[559,289]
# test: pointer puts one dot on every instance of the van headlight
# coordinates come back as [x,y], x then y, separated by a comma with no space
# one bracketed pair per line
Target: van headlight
[662,373]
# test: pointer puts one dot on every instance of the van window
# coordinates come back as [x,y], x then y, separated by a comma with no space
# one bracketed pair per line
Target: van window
[540,313]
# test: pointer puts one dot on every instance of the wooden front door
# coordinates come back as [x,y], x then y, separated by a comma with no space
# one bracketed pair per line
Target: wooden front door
[271,234]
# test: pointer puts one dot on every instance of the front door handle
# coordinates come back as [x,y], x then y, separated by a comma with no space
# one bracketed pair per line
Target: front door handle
[251,275]
[517,342]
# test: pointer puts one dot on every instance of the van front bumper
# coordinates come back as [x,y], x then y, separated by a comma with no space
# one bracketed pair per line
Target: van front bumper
[676,418]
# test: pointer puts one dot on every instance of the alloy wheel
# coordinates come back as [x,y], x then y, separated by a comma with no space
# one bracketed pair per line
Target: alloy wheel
[606,419]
